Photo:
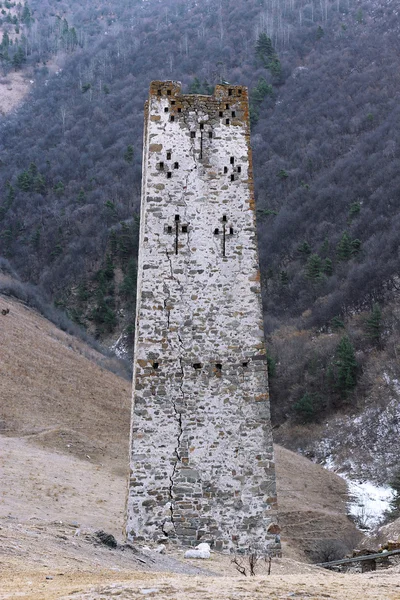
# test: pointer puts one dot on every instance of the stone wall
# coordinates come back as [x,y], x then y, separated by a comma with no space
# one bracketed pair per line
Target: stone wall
[202,466]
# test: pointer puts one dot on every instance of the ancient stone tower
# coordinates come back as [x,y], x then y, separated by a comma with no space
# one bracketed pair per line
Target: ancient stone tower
[202,466]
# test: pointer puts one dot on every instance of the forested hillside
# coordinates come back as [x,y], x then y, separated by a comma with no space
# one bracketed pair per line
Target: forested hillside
[324,80]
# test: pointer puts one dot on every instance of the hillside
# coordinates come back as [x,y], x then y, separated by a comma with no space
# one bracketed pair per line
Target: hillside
[65,433]
[64,445]
[323,80]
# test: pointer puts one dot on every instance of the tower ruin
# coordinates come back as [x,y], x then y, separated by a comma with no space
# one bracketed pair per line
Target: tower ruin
[202,466]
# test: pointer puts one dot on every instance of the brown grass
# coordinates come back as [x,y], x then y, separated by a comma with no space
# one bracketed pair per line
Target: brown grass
[63,464]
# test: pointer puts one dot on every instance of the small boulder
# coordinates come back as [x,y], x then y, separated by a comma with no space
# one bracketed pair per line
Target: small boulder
[201,551]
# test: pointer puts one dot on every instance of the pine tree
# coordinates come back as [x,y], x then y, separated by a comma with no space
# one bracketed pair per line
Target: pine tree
[346,365]
[128,156]
[373,324]
[264,48]
[304,248]
[314,268]
[344,249]
[328,267]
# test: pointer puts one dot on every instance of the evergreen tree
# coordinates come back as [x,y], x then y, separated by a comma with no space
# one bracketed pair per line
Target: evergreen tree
[18,58]
[264,48]
[305,408]
[373,324]
[314,268]
[304,248]
[327,267]
[128,156]
[344,248]
[346,365]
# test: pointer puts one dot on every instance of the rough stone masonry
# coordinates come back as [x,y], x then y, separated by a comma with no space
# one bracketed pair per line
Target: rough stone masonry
[202,466]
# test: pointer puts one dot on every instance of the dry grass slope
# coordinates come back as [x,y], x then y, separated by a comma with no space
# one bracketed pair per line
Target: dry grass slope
[63,459]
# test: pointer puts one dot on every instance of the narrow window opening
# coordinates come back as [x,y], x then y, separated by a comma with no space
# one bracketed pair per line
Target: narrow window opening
[230,92]
[225,169]
[232,160]
[239,169]
[176,217]
[168,92]
[201,125]
[176,165]
[192,134]
[158,92]
[179,109]
[233,113]
[169,175]
[172,118]
[221,114]
[230,230]
[224,219]
[184,228]
[227,106]
[218,366]
[155,365]
[239,92]
[197,366]
[173,102]
[166,109]
[233,177]
[161,165]
[245,364]
[168,155]
[210,134]
[216,231]
[227,122]
[169,229]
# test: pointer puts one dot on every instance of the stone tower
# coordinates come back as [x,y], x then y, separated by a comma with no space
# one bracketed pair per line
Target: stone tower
[202,466]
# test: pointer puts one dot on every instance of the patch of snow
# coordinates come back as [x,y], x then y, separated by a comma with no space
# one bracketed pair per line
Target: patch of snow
[368,501]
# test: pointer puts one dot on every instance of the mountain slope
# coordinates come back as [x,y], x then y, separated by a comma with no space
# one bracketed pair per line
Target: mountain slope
[65,434]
